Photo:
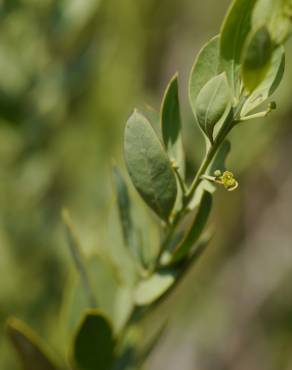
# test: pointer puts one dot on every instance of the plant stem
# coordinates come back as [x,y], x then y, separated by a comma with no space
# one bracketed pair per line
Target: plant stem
[180,180]
[225,129]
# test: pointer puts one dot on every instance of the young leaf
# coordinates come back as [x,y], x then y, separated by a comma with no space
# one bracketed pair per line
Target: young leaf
[211,103]
[235,29]
[276,15]
[124,209]
[256,58]
[196,228]
[171,124]
[149,167]
[78,258]
[30,349]
[269,84]
[149,290]
[219,160]
[93,347]
[206,66]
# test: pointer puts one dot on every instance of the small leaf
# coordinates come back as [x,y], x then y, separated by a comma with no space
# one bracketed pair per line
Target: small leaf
[124,209]
[206,66]
[78,257]
[219,160]
[196,228]
[276,15]
[256,58]
[93,347]
[149,167]
[211,103]
[171,124]
[269,84]
[152,288]
[235,29]
[30,349]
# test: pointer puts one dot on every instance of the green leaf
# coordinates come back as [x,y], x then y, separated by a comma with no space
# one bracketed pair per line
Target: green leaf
[93,347]
[124,209]
[29,348]
[256,58]
[154,118]
[218,163]
[206,66]
[276,16]
[152,288]
[219,160]
[211,103]
[113,297]
[269,84]
[78,258]
[235,29]
[149,167]
[196,228]
[171,124]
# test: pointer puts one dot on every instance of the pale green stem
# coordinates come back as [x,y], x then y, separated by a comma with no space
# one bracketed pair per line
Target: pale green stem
[180,180]
[226,127]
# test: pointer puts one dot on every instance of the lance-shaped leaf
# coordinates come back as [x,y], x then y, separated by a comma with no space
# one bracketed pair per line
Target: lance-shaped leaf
[162,283]
[235,29]
[152,288]
[171,124]
[78,257]
[149,166]
[256,58]
[93,347]
[211,103]
[219,160]
[206,66]
[31,351]
[276,15]
[270,82]
[124,209]
[196,228]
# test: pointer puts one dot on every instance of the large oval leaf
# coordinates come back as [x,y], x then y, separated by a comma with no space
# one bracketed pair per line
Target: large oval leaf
[171,124]
[93,346]
[206,66]
[211,103]
[149,167]
[235,29]
[29,348]
[256,58]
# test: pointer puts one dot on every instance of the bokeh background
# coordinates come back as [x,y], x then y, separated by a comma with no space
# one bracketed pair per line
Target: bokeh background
[70,73]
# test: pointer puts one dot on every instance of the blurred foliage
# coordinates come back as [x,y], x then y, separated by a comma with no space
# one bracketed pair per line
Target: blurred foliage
[70,70]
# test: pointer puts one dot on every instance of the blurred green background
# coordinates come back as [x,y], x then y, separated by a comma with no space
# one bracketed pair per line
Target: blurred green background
[70,73]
